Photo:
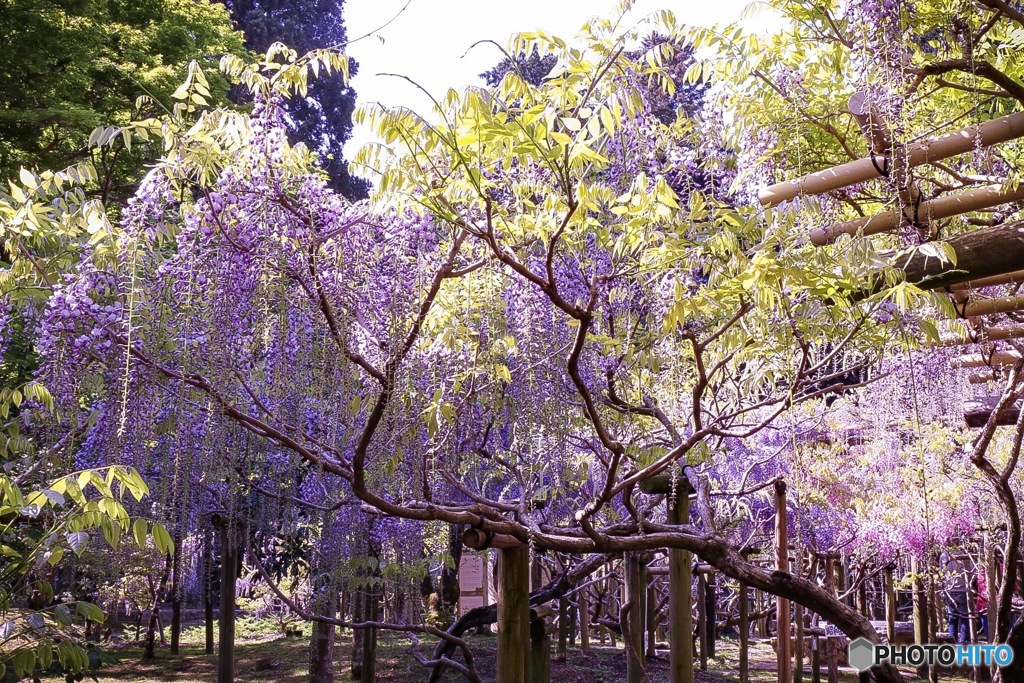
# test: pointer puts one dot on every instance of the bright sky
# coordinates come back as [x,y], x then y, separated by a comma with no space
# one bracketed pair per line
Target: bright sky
[427,41]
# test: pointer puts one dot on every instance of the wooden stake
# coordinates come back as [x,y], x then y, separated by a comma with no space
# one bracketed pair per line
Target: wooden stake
[513,614]
[680,597]
[949,145]
[935,209]
[785,665]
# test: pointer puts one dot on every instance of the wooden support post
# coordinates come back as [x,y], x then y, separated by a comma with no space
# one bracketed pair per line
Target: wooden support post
[680,597]
[744,634]
[920,603]
[652,618]
[573,623]
[371,612]
[798,644]
[633,624]
[540,652]
[230,530]
[563,627]
[513,615]
[831,656]
[798,615]
[991,586]
[583,599]
[711,611]
[702,619]
[785,666]
[207,574]
[890,605]
[816,660]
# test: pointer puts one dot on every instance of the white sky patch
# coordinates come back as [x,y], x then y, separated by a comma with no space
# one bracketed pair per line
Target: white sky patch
[427,42]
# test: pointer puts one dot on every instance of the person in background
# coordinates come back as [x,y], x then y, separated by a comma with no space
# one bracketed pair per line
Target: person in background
[981,602]
[956,597]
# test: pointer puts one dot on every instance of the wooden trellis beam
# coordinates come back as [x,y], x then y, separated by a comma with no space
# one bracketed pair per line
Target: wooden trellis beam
[932,210]
[977,413]
[935,149]
[983,258]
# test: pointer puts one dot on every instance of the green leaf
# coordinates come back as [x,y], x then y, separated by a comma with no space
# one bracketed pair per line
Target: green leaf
[139,529]
[162,539]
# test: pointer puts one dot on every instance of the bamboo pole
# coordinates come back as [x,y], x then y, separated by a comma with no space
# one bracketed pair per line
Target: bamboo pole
[680,598]
[935,149]
[785,669]
[984,334]
[982,360]
[935,209]
[1006,304]
[880,142]
[513,615]
[1014,278]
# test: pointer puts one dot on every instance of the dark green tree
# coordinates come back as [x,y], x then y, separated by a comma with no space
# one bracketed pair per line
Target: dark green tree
[322,119]
[532,68]
[72,65]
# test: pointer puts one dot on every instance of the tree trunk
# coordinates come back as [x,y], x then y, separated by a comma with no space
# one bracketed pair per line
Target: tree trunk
[154,615]
[176,588]
[321,646]
[449,584]
[228,574]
